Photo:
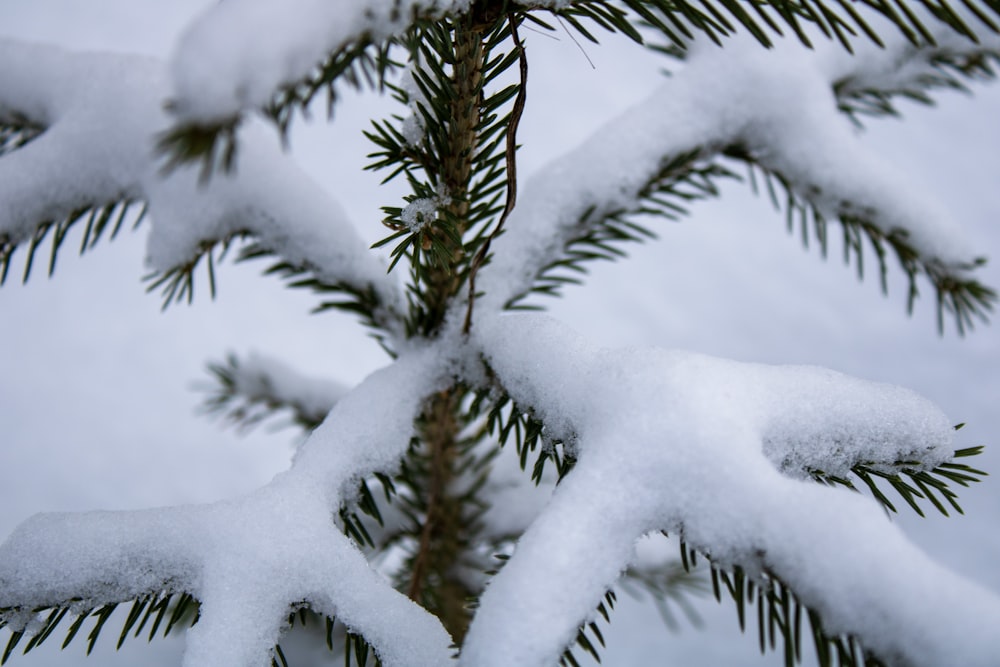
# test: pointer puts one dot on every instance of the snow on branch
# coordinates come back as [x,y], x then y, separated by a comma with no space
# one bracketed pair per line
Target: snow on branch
[238,54]
[252,560]
[676,441]
[98,116]
[774,108]
[250,389]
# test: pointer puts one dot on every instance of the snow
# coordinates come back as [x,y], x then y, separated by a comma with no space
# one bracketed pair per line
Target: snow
[258,378]
[419,213]
[250,560]
[778,105]
[665,439]
[675,440]
[237,54]
[102,114]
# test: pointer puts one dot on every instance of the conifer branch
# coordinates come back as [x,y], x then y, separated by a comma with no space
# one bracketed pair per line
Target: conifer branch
[780,616]
[964,298]
[17,131]
[371,303]
[681,181]
[945,69]
[669,585]
[923,485]
[510,166]
[96,220]
[248,391]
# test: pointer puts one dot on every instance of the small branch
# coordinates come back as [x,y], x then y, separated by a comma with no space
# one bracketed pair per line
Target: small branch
[515,119]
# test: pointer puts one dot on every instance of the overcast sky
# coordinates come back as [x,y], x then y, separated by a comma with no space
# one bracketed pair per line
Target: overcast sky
[96,401]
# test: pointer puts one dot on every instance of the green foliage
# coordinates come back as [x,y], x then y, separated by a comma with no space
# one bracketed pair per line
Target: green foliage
[952,71]
[779,619]
[16,132]
[456,155]
[228,398]
[965,299]
[214,146]
[923,485]
[589,637]
[783,622]
[459,215]
[164,610]
[157,615]
[95,219]
[669,585]
[363,61]
[177,284]
[531,441]
[681,181]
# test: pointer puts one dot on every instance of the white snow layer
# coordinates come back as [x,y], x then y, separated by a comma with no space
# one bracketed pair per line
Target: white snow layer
[698,446]
[779,105]
[665,440]
[102,114]
[258,378]
[239,53]
[250,560]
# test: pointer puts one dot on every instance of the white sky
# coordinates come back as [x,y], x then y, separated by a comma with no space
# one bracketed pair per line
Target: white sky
[95,383]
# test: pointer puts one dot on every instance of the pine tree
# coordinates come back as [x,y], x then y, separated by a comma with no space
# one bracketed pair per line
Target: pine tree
[477,501]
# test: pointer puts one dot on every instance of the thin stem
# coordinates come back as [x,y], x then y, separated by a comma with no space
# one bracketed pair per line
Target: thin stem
[511,163]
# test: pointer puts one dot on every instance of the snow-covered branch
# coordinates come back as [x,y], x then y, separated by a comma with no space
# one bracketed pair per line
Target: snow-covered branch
[250,389]
[775,108]
[237,55]
[251,560]
[723,455]
[101,115]
[675,441]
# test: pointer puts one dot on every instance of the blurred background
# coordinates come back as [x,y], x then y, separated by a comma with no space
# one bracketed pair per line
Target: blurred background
[99,388]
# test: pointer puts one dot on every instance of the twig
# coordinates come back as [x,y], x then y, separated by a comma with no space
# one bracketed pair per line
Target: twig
[515,119]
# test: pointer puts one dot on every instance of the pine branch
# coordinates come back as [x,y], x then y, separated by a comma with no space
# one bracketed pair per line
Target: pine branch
[368,302]
[159,614]
[681,181]
[808,20]
[455,200]
[96,220]
[669,584]
[17,131]
[160,610]
[214,147]
[805,205]
[246,392]
[920,484]
[779,614]
[779,619]
[946,70]
[356,53]
[505,419]
[589,637]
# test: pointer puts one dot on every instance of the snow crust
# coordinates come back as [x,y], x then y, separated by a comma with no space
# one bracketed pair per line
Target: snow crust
[102,115]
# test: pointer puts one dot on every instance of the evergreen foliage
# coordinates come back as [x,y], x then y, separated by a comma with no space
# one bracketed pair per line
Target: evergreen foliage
[459,73]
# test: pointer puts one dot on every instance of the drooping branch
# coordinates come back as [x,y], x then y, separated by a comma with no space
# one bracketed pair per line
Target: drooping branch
[290,554]
[92,160]
[643,162]
[248,390]
[670,440]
